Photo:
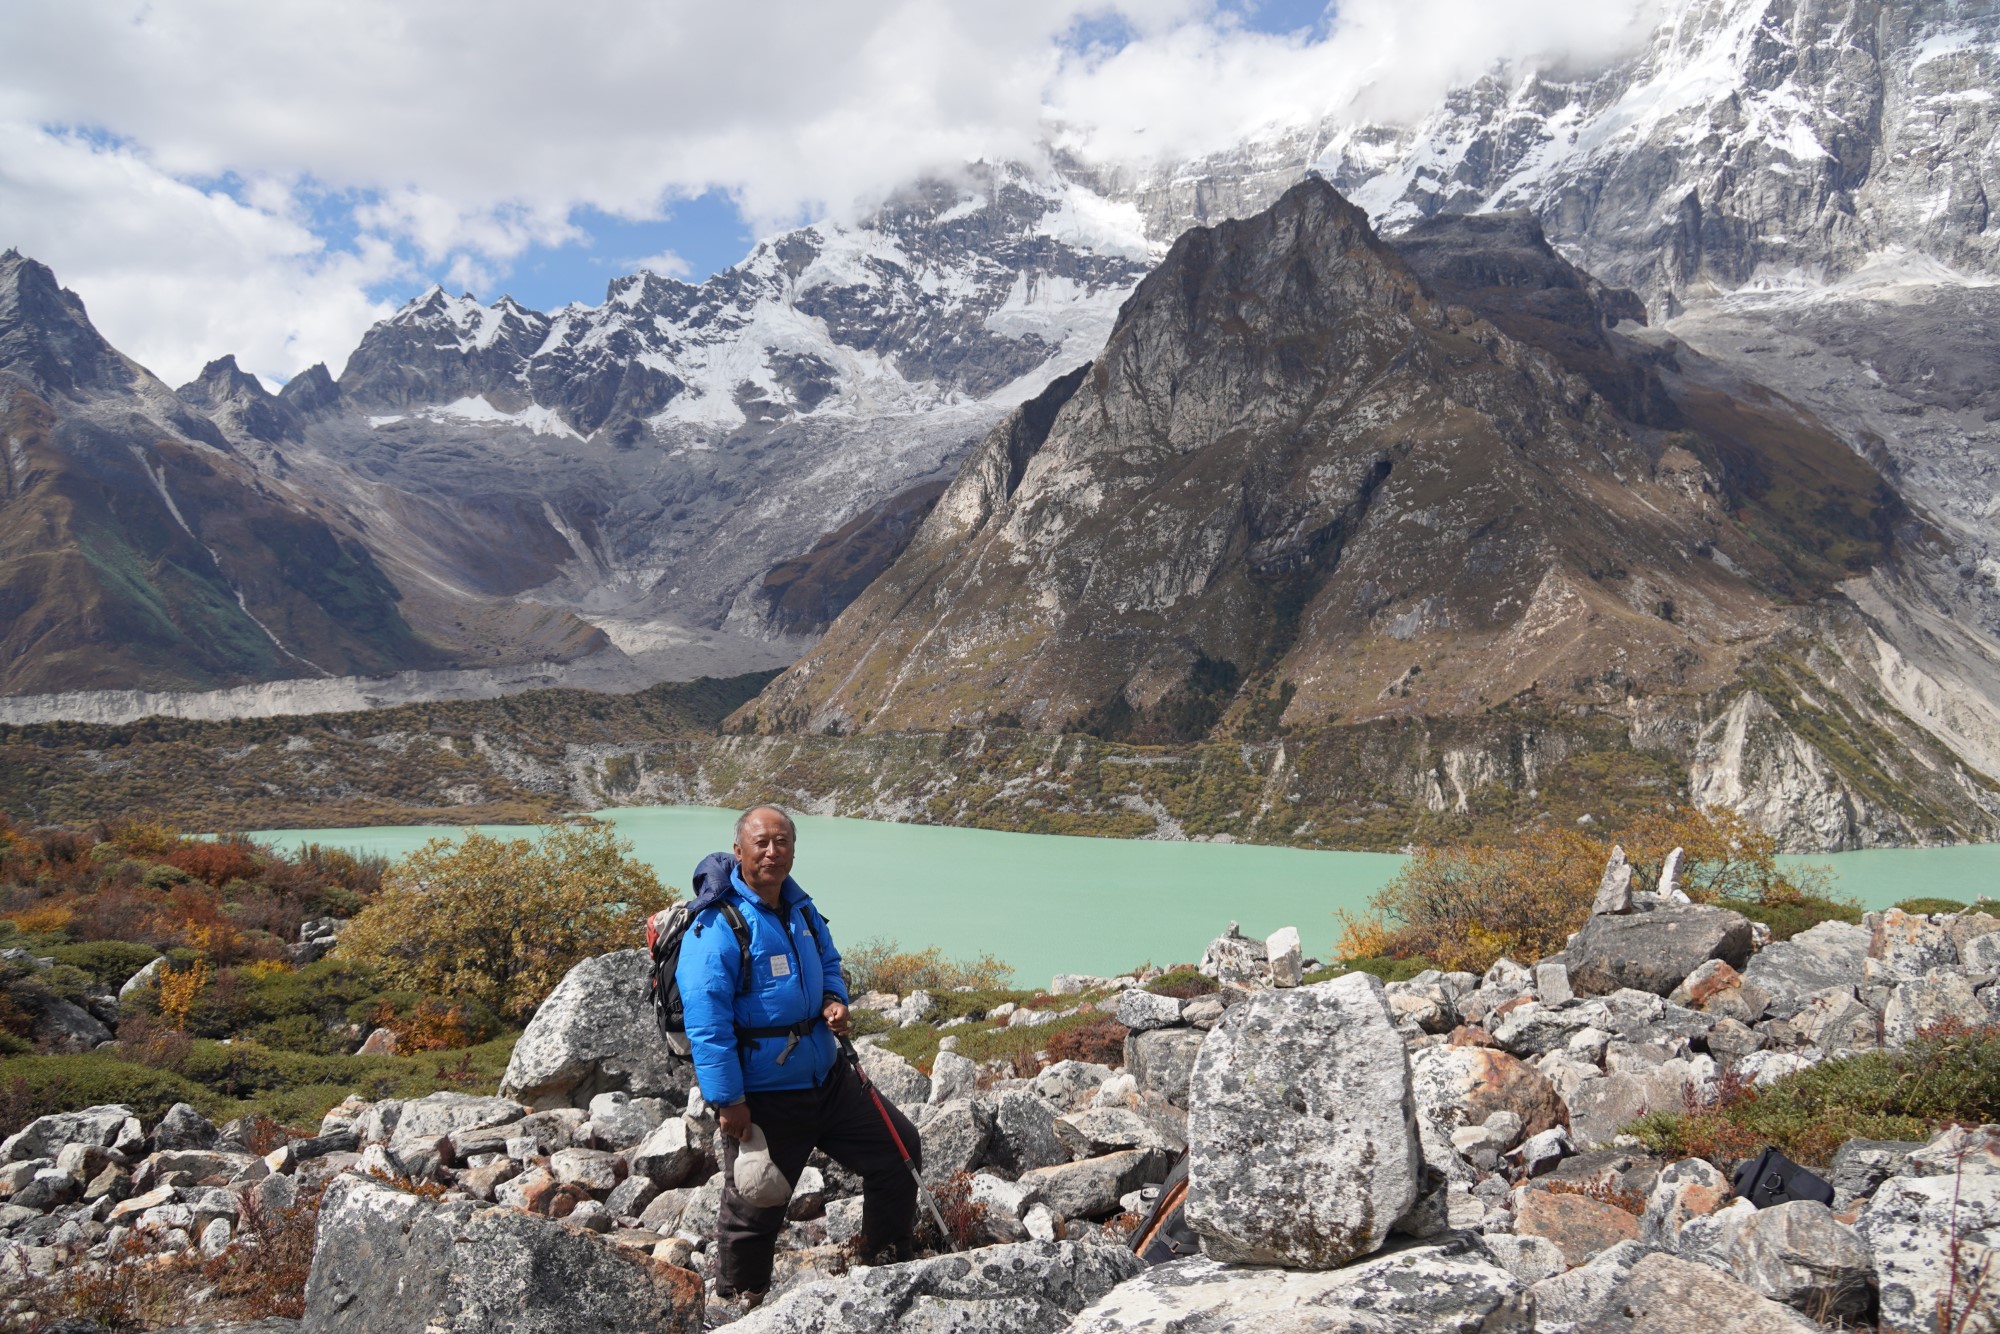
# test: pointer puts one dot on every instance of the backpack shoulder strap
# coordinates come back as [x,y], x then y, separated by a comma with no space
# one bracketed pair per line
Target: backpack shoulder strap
[734,917]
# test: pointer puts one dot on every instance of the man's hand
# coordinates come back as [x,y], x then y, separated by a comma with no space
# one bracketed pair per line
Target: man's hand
[837,1018]
[734,1120]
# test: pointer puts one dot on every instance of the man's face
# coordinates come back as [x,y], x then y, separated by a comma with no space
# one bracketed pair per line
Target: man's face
[765,848]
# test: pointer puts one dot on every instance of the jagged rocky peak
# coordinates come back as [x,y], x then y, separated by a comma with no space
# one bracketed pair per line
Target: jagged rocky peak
[1297,485]
[47,337]
[239,403]
[311,391]
[442,349]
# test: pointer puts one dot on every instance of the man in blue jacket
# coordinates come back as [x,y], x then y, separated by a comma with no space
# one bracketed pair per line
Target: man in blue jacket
[764,1051]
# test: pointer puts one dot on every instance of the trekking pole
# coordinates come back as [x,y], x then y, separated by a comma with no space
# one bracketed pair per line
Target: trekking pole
[923,1191]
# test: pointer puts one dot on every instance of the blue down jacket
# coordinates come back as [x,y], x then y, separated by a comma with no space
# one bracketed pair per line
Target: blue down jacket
[789,981]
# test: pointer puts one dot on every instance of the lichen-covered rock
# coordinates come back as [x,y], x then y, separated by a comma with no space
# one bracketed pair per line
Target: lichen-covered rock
[1601,1108]
[1654,950]
[1796,1253]
[1925,1001]
[1579,1226]
[1232,957]
[1093,1187]
[955,1137]
[1109,1129]
[386,1262]
[1161,1061]
[1450,1287]
[1909,1225]
[595,1033]
[1861,1165]
[1831,954]
[1572,1303]
[46,1136]
[1909,945]
[1024,1288]
[896,1079]
[1024,1132]
[1142,1011]
[1463,1086]
[1665,1295]
[952,1077]
[1302,1129]
[1690,1188]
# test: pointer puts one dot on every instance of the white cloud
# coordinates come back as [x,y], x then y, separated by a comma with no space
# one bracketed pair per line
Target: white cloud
[667,264]
[475,129]
[175,275]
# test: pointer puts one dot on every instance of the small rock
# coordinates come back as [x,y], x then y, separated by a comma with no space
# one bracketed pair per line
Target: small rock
[1552,983]
[1861,1165]
[955,1138]
[628,1199]
[1580,1226]
[1614,888]
[1142,1011]
[952,1077]
[1690,1188]
[595,1170]
[1797,1254]
[1162,1061]
[668,1155]
[184,1128]
[1283,953]
[1540,1154]
[1093,1187]
[1024,1135]
[380,1042]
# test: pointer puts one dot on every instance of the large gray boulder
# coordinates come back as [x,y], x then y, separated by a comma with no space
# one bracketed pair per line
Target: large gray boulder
[1024,1288]
[108,1126]
[1665,1295]
[1656,949]
[1796,1253]
[1302,1134]
[1909,1225]
[1600,1108]
[386,1262]
[594,1034]
[1922,1002]
[1832,954]
[1449,1286]
[1572,1303]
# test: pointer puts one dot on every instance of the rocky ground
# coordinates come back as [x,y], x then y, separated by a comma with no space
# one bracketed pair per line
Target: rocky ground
[1444,1153]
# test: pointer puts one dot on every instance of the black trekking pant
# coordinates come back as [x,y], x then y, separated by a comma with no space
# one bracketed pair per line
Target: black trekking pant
[839,1118]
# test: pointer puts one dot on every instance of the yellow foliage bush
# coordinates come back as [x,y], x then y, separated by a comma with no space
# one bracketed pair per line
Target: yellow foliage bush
[42,919]
[1463,908]
[501,920]
[179,990]
[882,965]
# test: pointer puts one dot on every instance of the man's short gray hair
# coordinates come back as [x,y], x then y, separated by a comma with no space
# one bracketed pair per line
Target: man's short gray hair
[783,814]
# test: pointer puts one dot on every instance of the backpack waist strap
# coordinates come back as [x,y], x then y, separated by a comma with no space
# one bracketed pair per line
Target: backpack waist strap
[790,1032]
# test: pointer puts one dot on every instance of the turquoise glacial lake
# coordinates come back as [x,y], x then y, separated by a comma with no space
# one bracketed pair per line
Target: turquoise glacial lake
[1047,904]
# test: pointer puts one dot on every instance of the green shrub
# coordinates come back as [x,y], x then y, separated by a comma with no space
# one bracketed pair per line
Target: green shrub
[1950,1073]
[110,962]
[1183,984]
[1787,918]
[32,1086]
[1930,905]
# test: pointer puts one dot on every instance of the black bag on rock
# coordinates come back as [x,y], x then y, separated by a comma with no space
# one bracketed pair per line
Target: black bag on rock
[1771,1178]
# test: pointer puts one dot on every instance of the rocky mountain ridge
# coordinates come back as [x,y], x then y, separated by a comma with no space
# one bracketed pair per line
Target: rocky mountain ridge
[1315,477]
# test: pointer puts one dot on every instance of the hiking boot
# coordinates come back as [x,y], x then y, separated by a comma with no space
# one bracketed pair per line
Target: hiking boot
[729,1307]
[885,1253]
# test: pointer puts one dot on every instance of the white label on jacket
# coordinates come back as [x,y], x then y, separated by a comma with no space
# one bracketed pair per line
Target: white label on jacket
[780,966]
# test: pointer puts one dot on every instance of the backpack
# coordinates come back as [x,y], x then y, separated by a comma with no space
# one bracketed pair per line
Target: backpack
[666,929]
[1165,1235]
[1771,1178]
